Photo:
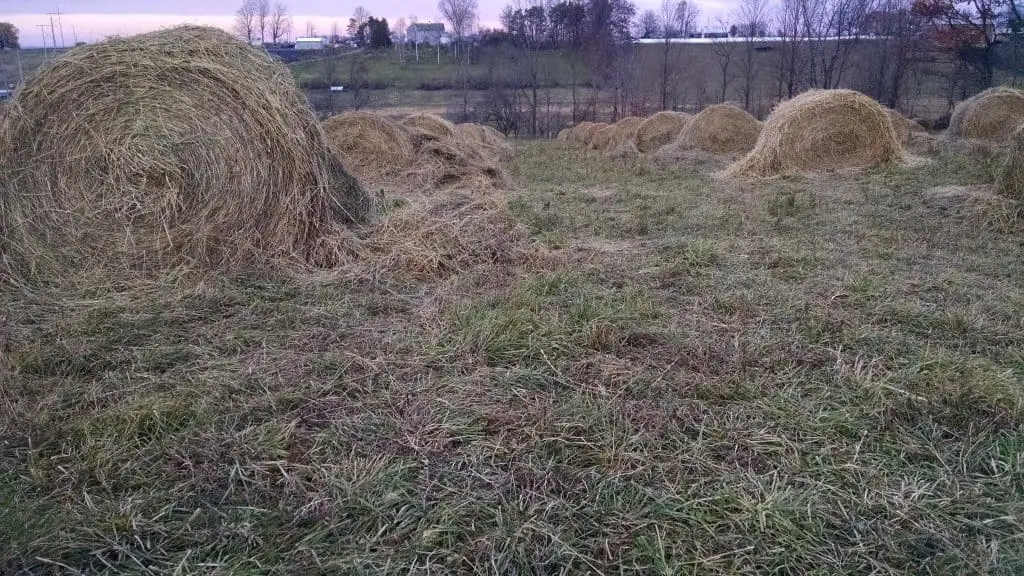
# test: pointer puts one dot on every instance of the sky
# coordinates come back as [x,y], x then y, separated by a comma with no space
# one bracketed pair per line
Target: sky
[93,20]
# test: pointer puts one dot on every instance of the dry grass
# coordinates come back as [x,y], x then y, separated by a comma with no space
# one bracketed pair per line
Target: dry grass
[993,115]
[178,147]
[1010,182]
[721,129]
[822,130]
[817,375]
[372,146]
[660,129]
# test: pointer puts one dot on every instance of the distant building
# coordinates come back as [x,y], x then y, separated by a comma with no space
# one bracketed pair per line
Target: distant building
[430,34]
[310,43]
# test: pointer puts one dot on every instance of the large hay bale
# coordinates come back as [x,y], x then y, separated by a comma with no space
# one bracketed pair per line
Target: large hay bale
[625,130]
[183,146]
[372,146]
[579,130]
[900,124]
[721,128]
[564,134]
[587,134]
[602,138]
[992,115]
[659,130]
[822,130]
[430,125]
[1010,182]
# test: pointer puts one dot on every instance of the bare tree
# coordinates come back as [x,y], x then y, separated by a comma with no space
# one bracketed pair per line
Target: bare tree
[245,21]
[310,28]
[725,54]
[677,18]
[790,61]
[648,25]
[399,34]
[753,20]
[360,15]
[890,56]
[280,23]
[335,32]
[461,14]
[833,29]
[261,12]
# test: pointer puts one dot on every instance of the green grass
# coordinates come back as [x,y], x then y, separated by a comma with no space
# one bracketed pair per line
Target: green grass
[806,375]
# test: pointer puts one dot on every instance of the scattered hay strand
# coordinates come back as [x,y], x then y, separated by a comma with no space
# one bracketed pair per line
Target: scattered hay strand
[372,146]
[721,129]
[992,115]
[178,147]
[822,130]
[659,130]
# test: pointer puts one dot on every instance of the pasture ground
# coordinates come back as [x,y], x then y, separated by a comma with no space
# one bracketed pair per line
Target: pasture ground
[687,376]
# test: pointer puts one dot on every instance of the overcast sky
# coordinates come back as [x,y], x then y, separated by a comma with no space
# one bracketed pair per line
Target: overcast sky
[92,20]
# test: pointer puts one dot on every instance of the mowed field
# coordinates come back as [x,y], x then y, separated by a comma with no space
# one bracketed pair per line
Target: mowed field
[648,370]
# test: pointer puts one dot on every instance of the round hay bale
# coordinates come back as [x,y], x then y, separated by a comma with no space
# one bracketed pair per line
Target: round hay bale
[587,134]
[822,130]
[625,130]
[577,131]
[564,134]
[721,129]
[624,151]
[992,115]
[1010,182]
[182,146]
[602,138]
[470,132]
[900,124]
[484,139]
[430,125]
[659,130]
[371,146]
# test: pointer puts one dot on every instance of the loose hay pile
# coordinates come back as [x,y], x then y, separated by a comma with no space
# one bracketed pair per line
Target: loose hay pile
[659,130]
[372,146]
[992,115]
[822,130]
[720,129]
[183,146]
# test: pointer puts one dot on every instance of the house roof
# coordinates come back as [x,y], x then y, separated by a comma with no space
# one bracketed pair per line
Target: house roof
[437,27]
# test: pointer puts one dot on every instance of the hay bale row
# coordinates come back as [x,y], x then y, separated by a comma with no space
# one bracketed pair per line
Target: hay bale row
[178,147]
[423,151]
[993,115]
[720,129]
[822,130]
[660,129]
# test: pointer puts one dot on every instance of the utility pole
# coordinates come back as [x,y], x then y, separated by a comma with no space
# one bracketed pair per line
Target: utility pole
[42,32]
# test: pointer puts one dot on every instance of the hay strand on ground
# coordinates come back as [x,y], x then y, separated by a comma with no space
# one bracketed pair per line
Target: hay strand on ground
[721,129]
[182,146]
[992,115]
[822,130]
[659,130]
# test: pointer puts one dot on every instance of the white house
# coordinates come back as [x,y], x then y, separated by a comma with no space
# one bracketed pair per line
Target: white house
[310,43]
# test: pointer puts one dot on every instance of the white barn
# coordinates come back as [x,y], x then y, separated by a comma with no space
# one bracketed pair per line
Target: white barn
[310,43]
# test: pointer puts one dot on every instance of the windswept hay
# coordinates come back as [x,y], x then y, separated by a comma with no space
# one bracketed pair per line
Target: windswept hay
[822,130]
[721,129]
[178,147]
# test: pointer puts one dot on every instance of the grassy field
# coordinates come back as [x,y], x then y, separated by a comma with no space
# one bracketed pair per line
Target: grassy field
[681,375]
